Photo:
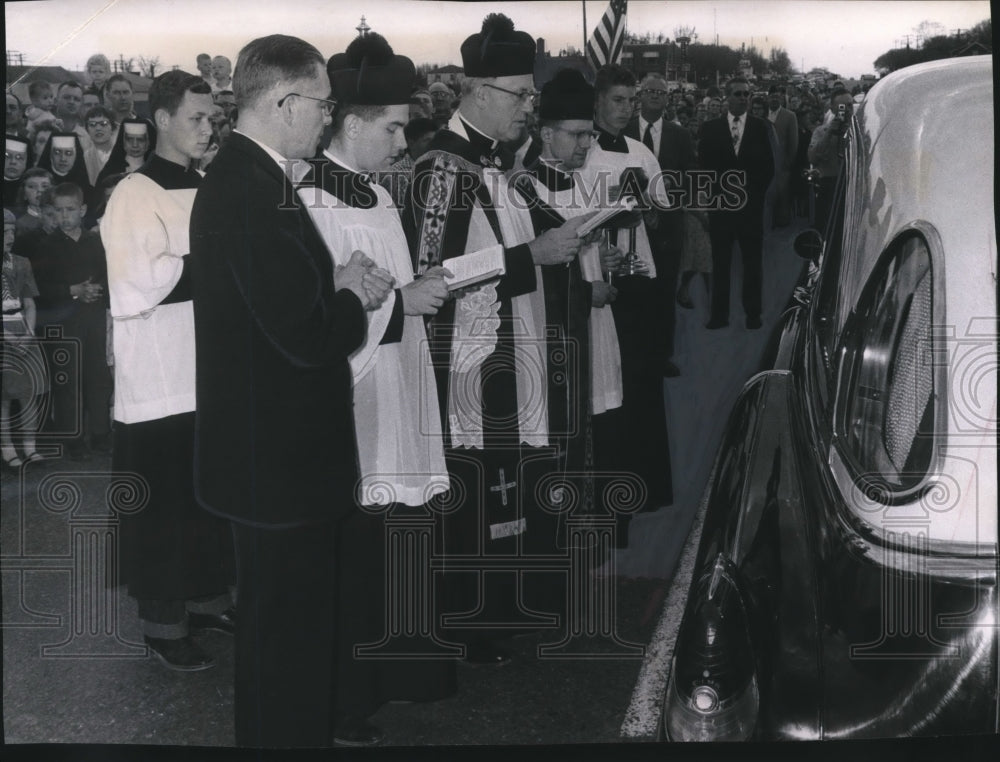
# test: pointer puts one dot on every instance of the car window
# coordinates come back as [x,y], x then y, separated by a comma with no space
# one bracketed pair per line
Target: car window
[887,384]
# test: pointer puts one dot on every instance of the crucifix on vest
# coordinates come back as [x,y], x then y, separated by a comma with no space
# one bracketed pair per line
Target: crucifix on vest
[503,486]
[491,579]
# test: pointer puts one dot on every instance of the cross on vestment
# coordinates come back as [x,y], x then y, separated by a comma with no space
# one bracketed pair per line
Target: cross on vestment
[502,487]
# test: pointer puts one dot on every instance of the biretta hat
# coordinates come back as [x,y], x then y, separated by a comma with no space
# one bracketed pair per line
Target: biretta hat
[497,50]
[368,73]
[567,96]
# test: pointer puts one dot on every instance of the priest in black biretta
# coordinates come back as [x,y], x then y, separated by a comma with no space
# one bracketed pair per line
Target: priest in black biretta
[492,385]
[401,460]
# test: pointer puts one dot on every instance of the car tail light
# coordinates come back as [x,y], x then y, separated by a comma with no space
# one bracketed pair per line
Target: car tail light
[712,694]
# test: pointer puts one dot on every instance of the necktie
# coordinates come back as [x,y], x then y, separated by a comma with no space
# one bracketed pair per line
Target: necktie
[736,131]
[647,138]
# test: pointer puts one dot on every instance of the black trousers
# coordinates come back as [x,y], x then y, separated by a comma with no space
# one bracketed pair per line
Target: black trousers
[666,243]
[285,652]
[725,229]
[81,386]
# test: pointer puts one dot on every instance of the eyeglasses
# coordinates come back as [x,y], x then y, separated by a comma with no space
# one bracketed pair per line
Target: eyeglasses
[657,93]
[328,105]
[741,94]
[102,123]
[579,135]
[528,96]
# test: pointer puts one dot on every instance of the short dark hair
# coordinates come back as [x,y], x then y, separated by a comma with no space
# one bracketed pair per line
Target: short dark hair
[735,81]
[99,111]
[837,92]
[167,90]
[35,172]
[116,78]
[266,61]
[419,126]
[612,75]
[37,87]
[31,174]
[70,83]
[68,190]
[366,113]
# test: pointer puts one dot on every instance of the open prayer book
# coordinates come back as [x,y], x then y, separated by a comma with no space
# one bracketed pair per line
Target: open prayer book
[623,205]
[469,269]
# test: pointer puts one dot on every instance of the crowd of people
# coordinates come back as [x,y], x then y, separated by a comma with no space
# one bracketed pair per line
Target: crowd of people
[265,279]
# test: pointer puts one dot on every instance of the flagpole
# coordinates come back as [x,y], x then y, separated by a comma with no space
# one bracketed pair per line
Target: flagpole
[584,4]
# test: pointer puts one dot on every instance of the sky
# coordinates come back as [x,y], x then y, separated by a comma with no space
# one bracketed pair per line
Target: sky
[844,37]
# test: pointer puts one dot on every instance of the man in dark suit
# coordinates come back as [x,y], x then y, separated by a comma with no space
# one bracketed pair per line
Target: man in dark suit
[275,451]
[673,147]
[737,142]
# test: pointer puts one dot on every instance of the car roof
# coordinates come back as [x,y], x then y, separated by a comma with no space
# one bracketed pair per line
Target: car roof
[922,158]
[927,132]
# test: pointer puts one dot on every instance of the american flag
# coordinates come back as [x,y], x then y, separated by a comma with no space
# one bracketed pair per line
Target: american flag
[605,44]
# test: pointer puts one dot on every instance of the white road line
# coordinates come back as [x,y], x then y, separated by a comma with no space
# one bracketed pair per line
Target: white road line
[642,718]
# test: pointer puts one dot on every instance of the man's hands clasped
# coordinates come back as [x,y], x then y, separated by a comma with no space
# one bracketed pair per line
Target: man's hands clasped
[370,283]
[87,292]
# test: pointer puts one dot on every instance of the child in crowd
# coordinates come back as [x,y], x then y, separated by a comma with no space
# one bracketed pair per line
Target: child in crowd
[43,97]
[34,183]
[24,376]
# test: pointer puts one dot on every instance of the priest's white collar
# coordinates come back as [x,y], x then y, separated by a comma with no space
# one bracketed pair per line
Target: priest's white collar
[470,126]
[336,159]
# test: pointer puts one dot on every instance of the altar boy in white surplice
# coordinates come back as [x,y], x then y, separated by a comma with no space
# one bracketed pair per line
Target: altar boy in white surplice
[396,415]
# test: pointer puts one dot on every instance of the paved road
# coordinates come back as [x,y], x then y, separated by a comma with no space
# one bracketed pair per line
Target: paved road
[114,694]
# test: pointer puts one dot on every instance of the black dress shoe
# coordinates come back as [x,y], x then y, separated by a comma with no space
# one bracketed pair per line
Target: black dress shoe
[669,370]
[224,622]
[355,731]
[713,324]
[753,323]
[485,655]
[180,654]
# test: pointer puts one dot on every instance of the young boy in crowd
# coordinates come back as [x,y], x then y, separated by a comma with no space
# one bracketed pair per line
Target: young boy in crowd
[34,183]
[72,278]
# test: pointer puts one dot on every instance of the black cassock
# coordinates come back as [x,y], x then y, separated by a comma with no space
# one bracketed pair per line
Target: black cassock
[633,439]
[366,679]
[551,198]
[493,416]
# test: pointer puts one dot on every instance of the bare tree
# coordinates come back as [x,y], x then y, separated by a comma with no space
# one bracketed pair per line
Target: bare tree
[927,29]
[149,66]
[121,65]
[685,31]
